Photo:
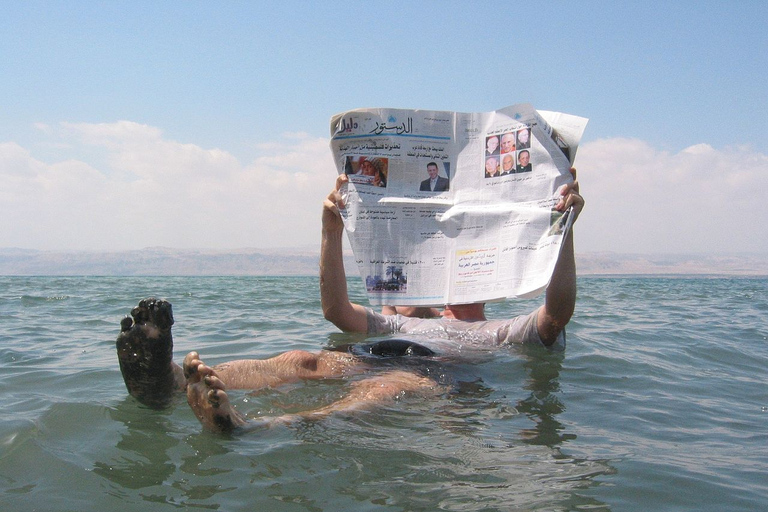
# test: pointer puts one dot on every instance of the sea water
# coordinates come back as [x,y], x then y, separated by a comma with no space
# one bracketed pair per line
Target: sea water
[659,402]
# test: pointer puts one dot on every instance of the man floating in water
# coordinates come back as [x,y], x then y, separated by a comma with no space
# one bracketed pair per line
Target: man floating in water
[145,346]
[145,343]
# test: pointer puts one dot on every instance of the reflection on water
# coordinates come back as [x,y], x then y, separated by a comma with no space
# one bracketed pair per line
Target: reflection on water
[144,458]
[543,404]
[152,453]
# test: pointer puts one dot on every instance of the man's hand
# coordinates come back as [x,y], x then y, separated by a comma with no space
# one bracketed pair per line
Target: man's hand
[332,221]
[569,196]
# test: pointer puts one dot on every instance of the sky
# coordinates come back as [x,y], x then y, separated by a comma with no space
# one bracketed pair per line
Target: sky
[205,125]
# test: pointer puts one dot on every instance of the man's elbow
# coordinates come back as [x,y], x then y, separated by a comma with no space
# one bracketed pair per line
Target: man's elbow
[550,326]
[340,317]
[332,314]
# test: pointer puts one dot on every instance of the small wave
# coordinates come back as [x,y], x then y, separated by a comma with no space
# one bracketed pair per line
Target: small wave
[31,300]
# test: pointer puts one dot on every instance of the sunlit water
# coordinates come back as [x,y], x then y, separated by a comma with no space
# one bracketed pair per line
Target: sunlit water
[660,402]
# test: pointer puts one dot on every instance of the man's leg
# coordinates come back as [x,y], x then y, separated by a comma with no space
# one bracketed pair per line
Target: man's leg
[379,389]
[145,348]
[291,366]
[206,393]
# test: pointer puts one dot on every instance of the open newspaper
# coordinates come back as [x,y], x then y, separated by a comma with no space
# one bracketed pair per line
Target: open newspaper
[449,207]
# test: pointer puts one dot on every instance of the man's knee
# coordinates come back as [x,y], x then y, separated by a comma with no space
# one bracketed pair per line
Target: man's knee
[300,359]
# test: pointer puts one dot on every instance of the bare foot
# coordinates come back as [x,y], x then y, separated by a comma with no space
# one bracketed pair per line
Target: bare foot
[145,351]
[207,397]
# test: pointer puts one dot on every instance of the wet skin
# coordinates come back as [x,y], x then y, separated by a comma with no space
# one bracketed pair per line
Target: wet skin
[145,352]
[207,397]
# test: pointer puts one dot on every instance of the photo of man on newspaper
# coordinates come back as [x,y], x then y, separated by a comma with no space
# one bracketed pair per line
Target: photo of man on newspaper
[435,182]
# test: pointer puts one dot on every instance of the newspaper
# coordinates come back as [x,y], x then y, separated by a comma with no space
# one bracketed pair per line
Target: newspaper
[449,207]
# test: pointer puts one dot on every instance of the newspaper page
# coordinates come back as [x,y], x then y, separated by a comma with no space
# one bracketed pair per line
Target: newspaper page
[451,208]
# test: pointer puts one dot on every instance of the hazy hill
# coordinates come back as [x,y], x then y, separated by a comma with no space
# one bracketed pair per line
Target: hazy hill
[304,261]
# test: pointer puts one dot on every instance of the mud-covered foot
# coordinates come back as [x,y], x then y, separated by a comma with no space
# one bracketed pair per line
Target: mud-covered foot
[208,398]
[145,352]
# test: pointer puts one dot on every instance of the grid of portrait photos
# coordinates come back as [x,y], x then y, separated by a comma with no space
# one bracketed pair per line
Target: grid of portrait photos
[367,170]
[508,153]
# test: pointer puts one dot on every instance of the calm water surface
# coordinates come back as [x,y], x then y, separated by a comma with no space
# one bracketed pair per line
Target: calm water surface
[660,402]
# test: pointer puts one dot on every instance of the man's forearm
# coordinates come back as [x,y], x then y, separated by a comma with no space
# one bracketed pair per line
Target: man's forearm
[333,286]
[333,279]
[560,299]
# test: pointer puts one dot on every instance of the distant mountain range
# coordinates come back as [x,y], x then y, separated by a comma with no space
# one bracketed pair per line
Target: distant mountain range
[304,261]
[605,263]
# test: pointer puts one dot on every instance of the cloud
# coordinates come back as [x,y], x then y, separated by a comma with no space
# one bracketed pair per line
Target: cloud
[151,191]
[643,199]
[125,185]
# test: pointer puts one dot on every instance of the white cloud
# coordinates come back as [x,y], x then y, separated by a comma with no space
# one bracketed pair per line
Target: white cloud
[141,189]
[701,199]
[153,191]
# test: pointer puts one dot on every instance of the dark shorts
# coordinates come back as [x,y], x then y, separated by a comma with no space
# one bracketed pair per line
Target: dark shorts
[386,348]
[412,356]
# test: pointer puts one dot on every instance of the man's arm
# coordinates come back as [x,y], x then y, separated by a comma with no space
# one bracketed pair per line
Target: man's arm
[560,299]
[337,308]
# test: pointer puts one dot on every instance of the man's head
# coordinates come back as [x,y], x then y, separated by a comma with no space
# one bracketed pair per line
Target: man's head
[524,157]
[432,170]
[523,136]
[492,143]
[507,142]
[417,311]
[508,163]
[491,164]
[475,311]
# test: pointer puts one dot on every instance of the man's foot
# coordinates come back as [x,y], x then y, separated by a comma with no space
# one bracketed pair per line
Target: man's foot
[145,352]
[207,397]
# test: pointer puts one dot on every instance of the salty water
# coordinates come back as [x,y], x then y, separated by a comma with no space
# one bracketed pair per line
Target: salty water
[660,402]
